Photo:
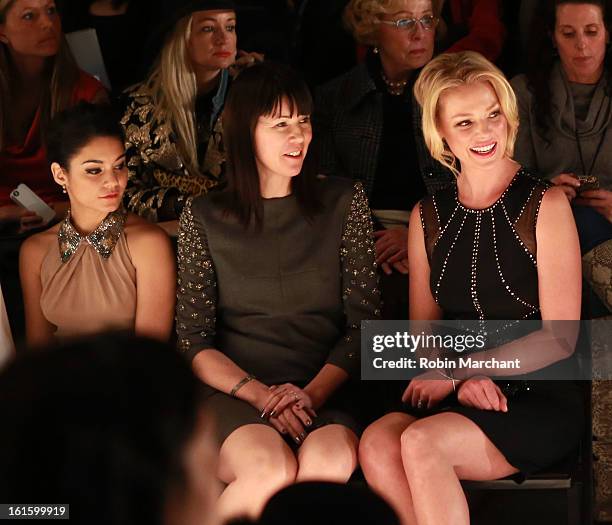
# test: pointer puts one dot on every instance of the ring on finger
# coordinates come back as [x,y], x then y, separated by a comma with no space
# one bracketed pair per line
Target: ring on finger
[420,404]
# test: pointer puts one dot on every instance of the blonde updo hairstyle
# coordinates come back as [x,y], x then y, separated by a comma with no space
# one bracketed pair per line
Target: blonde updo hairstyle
[361,17]
[452,70]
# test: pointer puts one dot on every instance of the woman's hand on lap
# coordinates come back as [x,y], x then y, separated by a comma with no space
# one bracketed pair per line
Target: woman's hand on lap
[283,396]
[427,390]
[482,393]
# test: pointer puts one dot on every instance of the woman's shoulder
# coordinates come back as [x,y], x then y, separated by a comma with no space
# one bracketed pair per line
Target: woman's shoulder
[36,246]
[144,236]
[531,180]
[553,198]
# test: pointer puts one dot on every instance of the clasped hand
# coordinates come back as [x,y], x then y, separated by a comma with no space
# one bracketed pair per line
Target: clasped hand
[428,389]
[392,250]
[482,393]
[289,410]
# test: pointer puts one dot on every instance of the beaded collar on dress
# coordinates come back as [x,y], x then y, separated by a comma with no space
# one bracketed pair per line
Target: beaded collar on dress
[103,239]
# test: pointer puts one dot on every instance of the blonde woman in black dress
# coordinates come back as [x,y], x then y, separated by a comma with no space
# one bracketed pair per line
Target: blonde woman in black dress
[500,244]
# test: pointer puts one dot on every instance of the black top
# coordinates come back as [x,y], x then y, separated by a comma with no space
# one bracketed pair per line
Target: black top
[398,184]
[283,301]
[483,262]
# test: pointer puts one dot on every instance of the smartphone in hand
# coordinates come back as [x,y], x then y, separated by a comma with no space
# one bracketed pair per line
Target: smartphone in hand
[587,183]
[26,198]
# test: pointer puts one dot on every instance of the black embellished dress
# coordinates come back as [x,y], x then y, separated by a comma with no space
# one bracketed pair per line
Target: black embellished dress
[280,302]
[484,267]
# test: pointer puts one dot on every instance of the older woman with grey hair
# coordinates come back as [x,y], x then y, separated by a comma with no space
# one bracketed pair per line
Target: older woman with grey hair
[368,127]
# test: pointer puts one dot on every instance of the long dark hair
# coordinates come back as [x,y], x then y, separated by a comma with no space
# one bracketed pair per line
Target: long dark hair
[543,55]
[259,91]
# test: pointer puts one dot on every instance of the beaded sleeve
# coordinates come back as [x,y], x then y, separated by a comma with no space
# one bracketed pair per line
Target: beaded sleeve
[197,287]
[360,293]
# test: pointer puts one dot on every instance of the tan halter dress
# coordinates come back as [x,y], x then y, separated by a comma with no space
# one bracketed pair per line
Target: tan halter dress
[89,284]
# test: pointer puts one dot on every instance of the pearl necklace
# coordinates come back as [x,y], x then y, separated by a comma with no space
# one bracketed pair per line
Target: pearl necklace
[394,88]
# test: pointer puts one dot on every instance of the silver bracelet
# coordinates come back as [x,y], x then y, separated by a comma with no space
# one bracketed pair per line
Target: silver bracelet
[241,383]
[450,377]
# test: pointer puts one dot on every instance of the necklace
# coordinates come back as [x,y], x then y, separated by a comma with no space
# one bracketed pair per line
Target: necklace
[394,88]
[596,154]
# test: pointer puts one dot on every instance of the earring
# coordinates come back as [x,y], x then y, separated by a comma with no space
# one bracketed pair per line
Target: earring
[375,50]
[64,188]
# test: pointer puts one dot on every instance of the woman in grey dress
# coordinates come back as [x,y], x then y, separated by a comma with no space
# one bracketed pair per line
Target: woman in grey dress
[275,276]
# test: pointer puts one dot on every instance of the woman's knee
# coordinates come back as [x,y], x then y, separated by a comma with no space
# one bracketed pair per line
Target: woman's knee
[380,442]
[420,443]
[331,450]
[258,453]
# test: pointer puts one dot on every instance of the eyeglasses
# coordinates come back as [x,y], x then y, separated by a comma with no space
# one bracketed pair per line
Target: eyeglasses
[428,22]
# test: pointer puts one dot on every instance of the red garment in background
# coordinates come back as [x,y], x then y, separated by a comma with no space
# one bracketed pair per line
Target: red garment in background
[486,32]
[27,163]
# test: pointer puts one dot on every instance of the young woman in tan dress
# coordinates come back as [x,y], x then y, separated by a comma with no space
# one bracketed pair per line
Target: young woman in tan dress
[101,267]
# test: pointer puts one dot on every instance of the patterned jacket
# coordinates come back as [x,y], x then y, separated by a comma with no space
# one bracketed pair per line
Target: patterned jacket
[158,179]
[348,123]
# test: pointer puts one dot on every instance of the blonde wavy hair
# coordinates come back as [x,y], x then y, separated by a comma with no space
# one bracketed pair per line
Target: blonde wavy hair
[361,17]
[63,75]
[173,88]
[452,70]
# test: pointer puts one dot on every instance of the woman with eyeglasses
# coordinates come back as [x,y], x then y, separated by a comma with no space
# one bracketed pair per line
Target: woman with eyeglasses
[368,128]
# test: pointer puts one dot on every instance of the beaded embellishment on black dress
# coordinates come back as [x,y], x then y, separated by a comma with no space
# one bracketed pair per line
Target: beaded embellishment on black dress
[494,247]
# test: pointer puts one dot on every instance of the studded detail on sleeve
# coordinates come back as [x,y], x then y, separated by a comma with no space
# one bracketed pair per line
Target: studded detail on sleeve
[197,287]
[360,292]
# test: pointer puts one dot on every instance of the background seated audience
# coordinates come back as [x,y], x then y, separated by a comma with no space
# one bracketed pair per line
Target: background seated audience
[172,125]
[39,79]
[566,110]
[367,127]
[275,276]
[101,267]
[112,425]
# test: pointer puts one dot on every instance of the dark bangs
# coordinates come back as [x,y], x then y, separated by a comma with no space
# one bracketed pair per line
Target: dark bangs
[259,91]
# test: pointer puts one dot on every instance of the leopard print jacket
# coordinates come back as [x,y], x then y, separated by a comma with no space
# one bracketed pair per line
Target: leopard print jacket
[158,180]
